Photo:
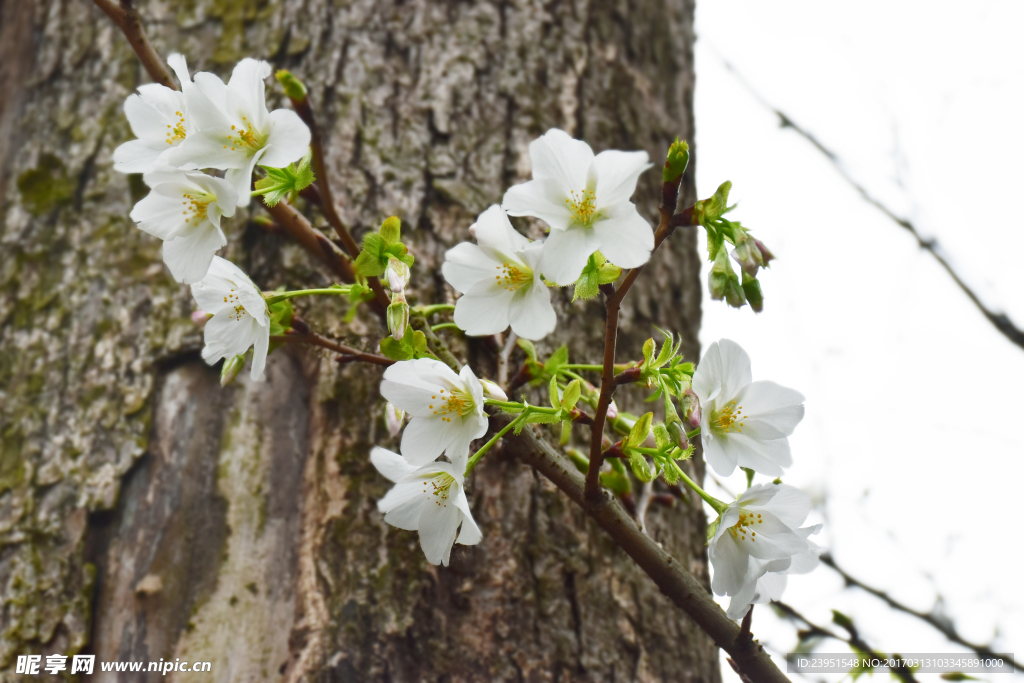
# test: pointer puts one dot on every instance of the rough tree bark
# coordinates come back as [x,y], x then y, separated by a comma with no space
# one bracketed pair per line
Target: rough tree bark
[146,513]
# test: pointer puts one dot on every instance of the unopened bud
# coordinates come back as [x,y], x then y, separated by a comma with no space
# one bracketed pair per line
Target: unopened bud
[690,405]
[752,290]
[747,255]
[232,366]
[293,87]
[398,316]
[397,274]
[678,435]
[722,281]
[613,410]
[766,255]
[676,160]
[200,317]
[492,390]
[393,417]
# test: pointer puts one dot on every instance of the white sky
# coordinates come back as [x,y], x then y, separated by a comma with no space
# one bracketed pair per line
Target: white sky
[911,439]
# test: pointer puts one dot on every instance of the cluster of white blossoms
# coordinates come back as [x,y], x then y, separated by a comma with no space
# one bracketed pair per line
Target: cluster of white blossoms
[209,125]
[757,539]
[585,201]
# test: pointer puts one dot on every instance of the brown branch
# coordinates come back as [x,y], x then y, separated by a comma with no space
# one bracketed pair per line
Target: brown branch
[315,339]
[305,111]
[127,19]
[999,320]
[665,228]
[945,628]
[673,579]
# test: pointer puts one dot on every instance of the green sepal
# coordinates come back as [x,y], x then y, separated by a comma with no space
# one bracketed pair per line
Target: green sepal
[638,463]
[713,528]
[280,317]
[750,475]
[588,284]
[675,161]
[608,273]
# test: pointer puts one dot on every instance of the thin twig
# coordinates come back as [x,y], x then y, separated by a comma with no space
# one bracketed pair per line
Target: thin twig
[999,320]
[315,339]
[127,19]
[944,627]
[854,639]
[506,353]
[305,111]
[643,502]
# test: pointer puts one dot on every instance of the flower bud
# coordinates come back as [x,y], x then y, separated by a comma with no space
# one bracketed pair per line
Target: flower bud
[747,255]
[293,87]
[230,369]
[675,162]
[492,390]
[613,410]
[678,435]
[752,290]
[397,274]
[766,255]
[200,317]
[722,281]
[393,417]
[398,315]
[690,405]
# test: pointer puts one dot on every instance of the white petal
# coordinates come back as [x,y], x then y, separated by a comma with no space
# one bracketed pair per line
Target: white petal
[774,539]
[391,464]
[425,438]
[626,238]
[722,460]
[483,309]
[532,316]
[147,113]
[542,198]
[470,533]
[770,411]
[403,505]
[259,352]
[247,82]
[790,505]
[206,103]
[465,265]
[438,525]
[226,195]
[558,156]
[180,66]
[566,253]
[288,140]
[138,156]
[225,337]
[241,179]
[209,149]
[188,256]
[493,230]
[730,564]
[724,364]
[617,173]
[159,214]
[764,457]
[476,390]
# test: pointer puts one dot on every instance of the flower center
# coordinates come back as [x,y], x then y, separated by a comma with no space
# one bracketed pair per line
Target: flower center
[746,525]
[729,418]
[512,276]
[439,487]
[195,205]
[452,402]
[176,133]
[239,311]
[583,207]
[246,138]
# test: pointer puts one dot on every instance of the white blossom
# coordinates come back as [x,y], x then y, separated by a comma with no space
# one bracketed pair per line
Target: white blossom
[234,129]
[500,281]
[742,422]
[159,118]
[240,316]
[585,201]
[758,535]
[184,208]
[447,410]
[429,499]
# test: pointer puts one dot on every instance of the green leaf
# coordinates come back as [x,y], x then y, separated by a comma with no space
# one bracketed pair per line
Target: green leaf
[638,463]
[395,349]
[661,437]
[391,231]
[556,360]
[648,352]
[840,619]
[371,261]
[280,317]
[529,349]
[280,182]
[553,393]
[571,395]
[638,434]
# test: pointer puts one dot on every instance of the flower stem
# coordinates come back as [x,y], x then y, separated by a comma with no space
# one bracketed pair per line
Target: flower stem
[695,432]
[718,505]
[432,309]
[444,326]
[494,439]
[281,296]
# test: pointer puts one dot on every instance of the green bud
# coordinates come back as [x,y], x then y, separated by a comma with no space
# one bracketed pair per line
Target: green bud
[608,273]
[675,162]
[398,317]
[752,290]
[746,254]
[723,283]
[230,369]
[293,87]
[391,230]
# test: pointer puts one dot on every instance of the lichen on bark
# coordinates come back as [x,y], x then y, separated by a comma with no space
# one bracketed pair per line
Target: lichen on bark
[201,507]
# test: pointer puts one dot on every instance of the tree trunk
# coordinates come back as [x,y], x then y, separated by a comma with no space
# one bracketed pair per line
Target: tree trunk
[147,513]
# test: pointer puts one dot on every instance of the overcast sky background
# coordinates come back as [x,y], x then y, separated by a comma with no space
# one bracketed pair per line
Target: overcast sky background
[912,440]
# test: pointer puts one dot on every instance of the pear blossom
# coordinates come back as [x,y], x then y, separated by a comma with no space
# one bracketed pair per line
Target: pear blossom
[158,117]
[757,541]
[500,281]
[742,422]
[429,499]
[184,209]
[234,129]
[240,316]
[585,201]
[447,410]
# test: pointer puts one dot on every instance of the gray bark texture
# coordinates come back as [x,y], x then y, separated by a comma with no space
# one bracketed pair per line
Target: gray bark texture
[147,513]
